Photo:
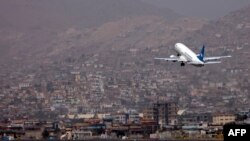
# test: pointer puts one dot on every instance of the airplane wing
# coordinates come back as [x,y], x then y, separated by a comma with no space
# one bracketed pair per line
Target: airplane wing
[168,59]
[215,58]
[213,62]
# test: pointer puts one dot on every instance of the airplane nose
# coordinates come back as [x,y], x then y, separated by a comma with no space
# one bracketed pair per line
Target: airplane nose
[176,47]
[178,44]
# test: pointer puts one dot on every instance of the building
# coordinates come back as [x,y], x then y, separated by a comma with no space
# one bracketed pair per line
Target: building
[81,135]
[163,113]
[23,85]
[120,118]
[133,117]
[221,119]
[148,114]
[187,118]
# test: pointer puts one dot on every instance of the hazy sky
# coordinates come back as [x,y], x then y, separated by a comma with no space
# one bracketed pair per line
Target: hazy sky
[210,9]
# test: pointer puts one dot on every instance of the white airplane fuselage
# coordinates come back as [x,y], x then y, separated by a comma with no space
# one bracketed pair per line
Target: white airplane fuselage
[187,55]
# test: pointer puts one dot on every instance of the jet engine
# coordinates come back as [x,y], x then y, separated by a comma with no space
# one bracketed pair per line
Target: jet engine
[172,56]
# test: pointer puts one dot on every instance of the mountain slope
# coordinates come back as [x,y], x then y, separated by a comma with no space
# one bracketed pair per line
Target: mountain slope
[228,35]
[121,51]
[64,13]
[34,28]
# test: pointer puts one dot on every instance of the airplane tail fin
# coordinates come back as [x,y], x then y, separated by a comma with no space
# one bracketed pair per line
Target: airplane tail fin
[202,54]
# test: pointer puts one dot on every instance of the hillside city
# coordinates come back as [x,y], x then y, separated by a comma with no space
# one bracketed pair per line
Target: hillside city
[74,81]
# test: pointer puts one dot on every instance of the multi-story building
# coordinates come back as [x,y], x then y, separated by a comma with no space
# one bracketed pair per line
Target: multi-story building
[133,117]
[187,118]
[120,118]
[97,84]
[149,114]
[221,119]
[163,113]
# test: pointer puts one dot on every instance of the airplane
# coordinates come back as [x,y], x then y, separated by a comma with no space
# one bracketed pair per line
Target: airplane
[187,56]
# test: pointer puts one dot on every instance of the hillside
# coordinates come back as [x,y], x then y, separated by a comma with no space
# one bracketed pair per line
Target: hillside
[57,14]
[228,35]
[118,52]
[35,28]
[228,82]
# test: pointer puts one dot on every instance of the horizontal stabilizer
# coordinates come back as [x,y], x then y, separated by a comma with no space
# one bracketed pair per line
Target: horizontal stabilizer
[214,62]
[215,58]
